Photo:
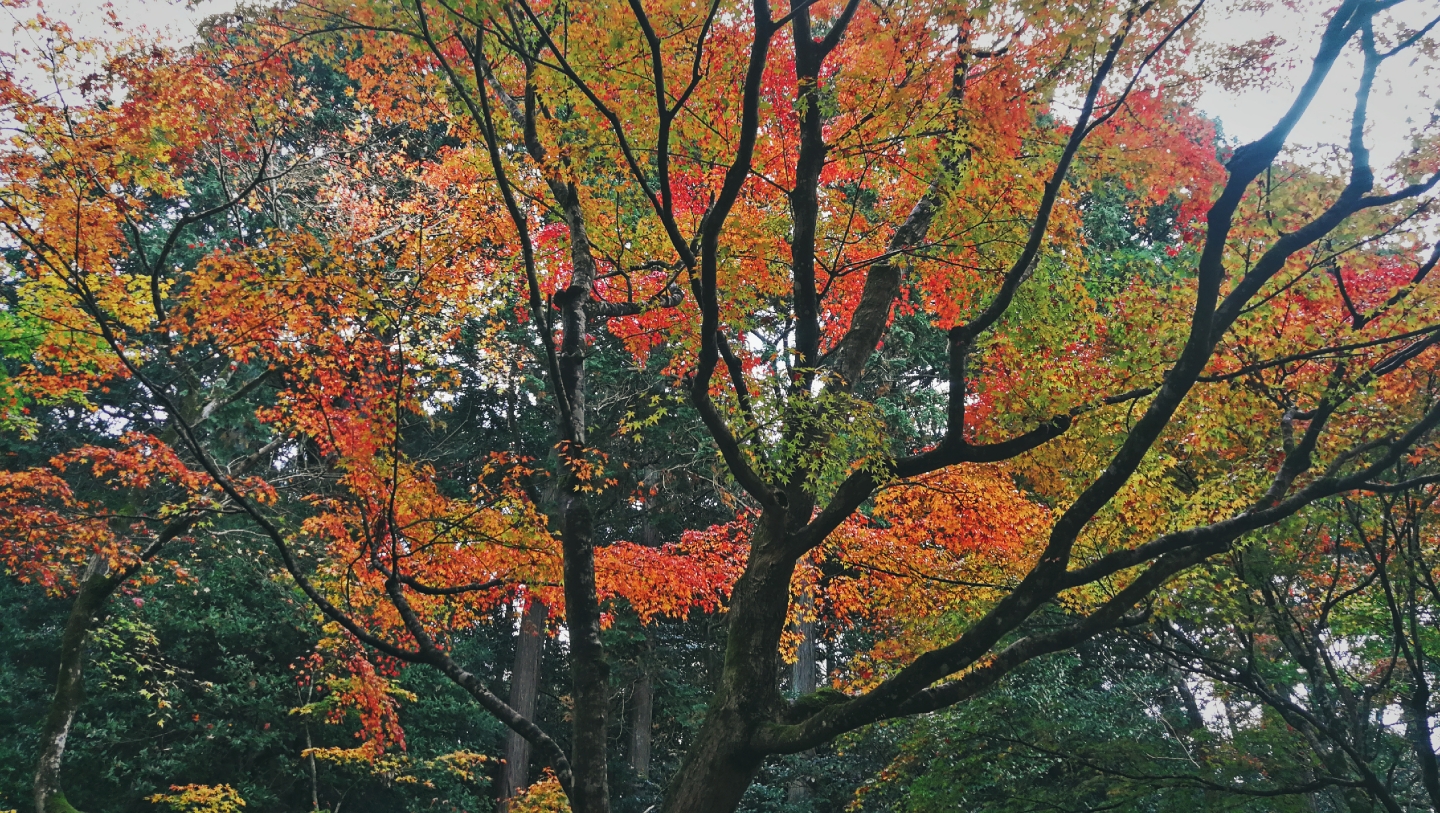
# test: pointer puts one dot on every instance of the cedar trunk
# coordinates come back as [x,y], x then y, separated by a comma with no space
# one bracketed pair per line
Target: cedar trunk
[643,703]
[524,686]
[804,680]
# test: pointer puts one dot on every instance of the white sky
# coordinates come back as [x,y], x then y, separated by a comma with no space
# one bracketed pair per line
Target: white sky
[87,16]
[1404,96]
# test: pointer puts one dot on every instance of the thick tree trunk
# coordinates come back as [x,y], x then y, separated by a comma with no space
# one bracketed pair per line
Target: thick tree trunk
[721,762]
[719,767]
[95,588]
[524,687]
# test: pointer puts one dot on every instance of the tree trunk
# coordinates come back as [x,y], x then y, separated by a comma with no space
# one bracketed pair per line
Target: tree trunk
[1417,728]
[721,763]
[589,670]
[524,687]
[590,673]
[804,676]
[719,767]
[95,588]
[804,679]
[642,702]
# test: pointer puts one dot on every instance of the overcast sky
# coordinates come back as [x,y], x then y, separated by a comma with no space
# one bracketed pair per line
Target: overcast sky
[1405,96]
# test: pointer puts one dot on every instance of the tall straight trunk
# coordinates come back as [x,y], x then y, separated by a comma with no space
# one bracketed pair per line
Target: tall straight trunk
[643,705]
[590,672]
[524,688]
[805,675]
[804,679]
[95,588]
[642,699]
[1417,705]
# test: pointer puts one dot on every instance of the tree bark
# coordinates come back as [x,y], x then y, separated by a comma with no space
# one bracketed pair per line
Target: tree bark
[524,687]
[721,761]
[1417,728]
[590,672]
[96,585]
[642,703]
[804,680]
[95,588]
[804,676]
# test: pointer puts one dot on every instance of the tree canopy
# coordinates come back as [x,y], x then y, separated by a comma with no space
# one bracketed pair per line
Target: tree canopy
[843,371]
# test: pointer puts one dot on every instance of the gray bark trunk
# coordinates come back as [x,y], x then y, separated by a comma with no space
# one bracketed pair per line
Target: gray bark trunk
[524,687]
[642,703]
[804,680]
[804,676]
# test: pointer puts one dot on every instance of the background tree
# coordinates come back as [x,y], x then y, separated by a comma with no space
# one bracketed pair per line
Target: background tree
[1327,639]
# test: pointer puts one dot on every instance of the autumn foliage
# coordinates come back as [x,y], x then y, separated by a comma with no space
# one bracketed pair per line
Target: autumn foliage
[279,274]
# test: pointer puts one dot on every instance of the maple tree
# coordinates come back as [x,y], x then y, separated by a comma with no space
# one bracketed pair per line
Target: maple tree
[847,236]
[94,207]
[100,197]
